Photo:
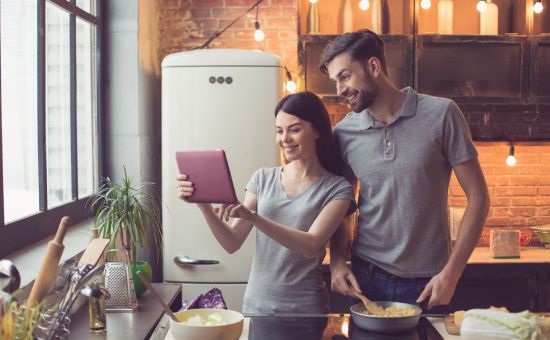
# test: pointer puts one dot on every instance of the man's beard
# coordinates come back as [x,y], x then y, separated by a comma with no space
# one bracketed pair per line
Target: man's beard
[366,100]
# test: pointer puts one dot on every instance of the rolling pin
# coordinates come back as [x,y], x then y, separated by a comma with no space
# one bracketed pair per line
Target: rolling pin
[48,269]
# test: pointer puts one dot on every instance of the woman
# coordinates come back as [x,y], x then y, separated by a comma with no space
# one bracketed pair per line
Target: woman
[295,207]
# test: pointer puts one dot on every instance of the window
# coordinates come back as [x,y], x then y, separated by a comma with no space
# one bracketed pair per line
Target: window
[50,112]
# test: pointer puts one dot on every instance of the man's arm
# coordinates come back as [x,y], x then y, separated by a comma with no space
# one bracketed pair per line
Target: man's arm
[442,286]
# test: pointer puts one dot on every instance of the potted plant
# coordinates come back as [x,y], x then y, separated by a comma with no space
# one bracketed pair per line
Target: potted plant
[129,211]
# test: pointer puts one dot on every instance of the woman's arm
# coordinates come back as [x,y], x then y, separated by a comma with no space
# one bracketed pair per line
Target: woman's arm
[231,238]
[306,243]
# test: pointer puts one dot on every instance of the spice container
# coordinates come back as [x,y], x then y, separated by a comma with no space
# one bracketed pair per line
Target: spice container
[96,304]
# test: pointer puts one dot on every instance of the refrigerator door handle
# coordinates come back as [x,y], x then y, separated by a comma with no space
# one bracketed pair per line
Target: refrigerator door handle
[184,261]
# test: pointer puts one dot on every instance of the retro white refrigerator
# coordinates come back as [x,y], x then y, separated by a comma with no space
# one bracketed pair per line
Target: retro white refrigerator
[214,99]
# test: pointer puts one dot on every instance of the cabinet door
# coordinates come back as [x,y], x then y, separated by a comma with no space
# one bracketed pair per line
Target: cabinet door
[483,288]
[478,69]
[540,69]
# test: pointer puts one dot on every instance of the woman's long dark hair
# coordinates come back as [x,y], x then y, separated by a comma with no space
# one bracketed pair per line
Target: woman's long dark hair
[307,106]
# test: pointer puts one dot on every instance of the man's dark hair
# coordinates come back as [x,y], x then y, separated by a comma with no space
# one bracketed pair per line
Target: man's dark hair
[361,45]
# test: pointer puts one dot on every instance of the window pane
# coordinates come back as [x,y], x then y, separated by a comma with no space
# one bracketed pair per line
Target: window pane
[18,27]
[86,99]
[87,5]
[58,137]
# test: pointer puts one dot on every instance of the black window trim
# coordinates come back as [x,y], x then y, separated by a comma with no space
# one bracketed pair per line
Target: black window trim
[26,231]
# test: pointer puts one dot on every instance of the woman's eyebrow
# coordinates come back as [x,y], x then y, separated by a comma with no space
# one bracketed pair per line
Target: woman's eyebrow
[290,126]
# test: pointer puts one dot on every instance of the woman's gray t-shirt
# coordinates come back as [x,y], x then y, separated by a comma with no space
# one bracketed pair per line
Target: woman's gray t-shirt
[281,280]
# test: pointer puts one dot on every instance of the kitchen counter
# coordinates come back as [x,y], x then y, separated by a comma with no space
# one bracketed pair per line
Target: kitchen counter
[482,255]
[329,327]
[136,325]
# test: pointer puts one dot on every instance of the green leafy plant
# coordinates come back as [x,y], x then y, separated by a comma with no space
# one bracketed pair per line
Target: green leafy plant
[20,322]
[122,208]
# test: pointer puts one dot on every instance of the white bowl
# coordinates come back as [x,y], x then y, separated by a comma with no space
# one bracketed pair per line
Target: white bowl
[231,330]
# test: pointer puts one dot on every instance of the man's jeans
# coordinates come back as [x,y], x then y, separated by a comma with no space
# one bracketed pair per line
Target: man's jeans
[379,285]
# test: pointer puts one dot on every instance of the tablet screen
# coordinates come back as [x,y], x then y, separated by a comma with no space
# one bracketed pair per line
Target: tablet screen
[209,172]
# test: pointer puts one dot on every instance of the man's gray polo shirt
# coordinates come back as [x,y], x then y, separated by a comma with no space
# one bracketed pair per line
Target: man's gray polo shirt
[404,170]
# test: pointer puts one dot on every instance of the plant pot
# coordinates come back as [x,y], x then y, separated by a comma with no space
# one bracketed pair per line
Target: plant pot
[145,268]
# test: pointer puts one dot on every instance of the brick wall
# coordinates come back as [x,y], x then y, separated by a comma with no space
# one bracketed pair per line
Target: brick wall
[520,195]
[189,23]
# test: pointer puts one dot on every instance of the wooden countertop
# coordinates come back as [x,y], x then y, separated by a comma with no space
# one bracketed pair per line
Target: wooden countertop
[481,255]
[137,325]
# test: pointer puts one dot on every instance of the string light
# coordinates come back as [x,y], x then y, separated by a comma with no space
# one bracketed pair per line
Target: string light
[364,5]
[259,35]
[511,160]
[290,85]
[216,34]
[537,8]
[425,4]
[481,5]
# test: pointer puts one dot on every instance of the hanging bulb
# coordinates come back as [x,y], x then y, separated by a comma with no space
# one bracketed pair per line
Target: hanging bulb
[290,85]
[511,160]
[364,5]
[537,8]
[259,35]
[481,5]
[425,4]
[313,1]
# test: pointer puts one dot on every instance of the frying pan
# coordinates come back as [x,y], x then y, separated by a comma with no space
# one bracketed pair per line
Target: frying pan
[384,324]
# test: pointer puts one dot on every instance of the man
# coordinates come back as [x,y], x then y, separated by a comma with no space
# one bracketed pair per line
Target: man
[401,147]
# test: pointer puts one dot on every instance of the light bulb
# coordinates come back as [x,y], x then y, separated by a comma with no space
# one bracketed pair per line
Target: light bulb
[537,8]
[481,6]
[511,160]
[291,86]
[259,35]
[364,5]
[313,1]
[425,4]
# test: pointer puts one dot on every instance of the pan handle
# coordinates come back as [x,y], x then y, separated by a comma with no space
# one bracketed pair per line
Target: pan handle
[185,261]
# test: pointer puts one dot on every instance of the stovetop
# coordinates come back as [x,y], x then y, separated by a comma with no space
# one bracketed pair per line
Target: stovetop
[330,327]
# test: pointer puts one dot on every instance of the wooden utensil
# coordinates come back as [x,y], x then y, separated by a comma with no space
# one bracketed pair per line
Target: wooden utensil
[371,306]
[94,251]
[157,296]
[48,269]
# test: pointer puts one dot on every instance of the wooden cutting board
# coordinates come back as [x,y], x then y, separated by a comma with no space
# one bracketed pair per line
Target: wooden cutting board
[93,253]
[450,325]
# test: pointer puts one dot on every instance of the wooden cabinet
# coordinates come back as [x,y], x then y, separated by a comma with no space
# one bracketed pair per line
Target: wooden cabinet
[501,82]
[473,69]
[517,284]
[514,286]
[399,56]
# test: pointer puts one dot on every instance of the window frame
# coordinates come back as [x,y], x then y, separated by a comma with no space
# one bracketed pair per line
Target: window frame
[30,229]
